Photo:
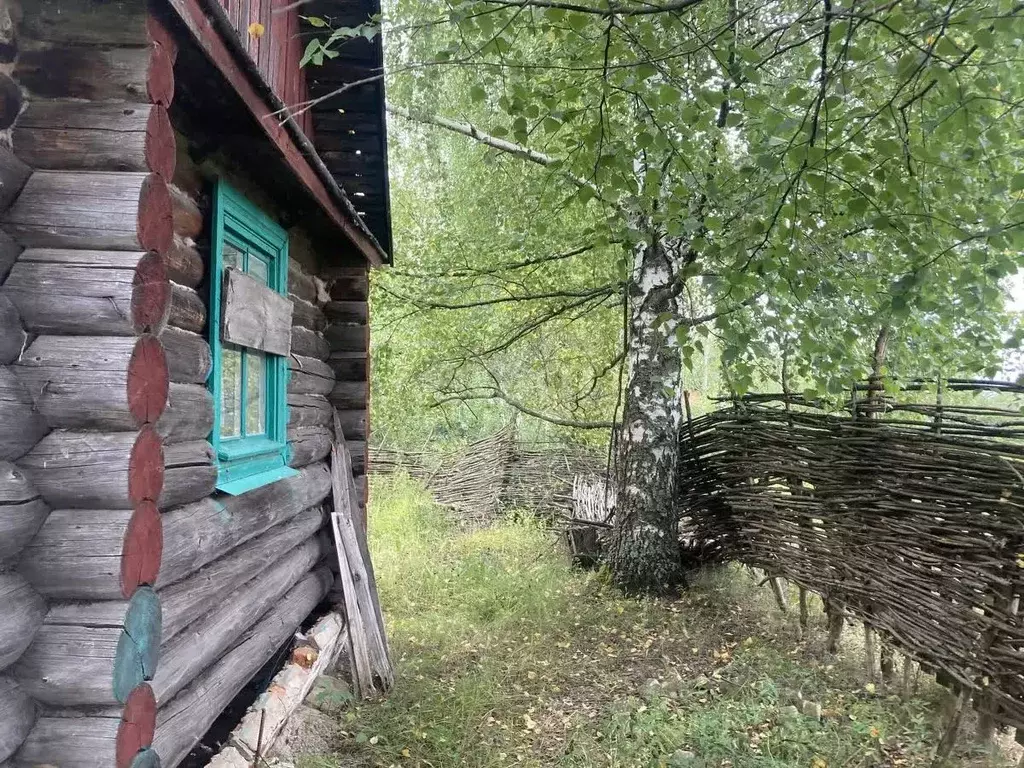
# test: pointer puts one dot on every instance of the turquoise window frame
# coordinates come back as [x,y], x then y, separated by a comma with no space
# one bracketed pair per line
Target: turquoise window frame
[248,462]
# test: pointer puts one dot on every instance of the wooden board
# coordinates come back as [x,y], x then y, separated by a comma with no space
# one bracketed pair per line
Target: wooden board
[254,315]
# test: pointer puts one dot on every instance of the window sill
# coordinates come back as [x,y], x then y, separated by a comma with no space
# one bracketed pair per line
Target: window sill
[258,480]
[247,447]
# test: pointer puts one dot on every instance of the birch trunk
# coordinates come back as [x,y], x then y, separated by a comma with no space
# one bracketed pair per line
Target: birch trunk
[645,544]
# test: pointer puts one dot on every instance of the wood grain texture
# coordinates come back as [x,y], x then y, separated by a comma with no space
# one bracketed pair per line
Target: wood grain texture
[9,251]
[198,534]
[188,715]
[254,315]
[77,554]
[350,395]
[189,473]
[138,647]
[188,356]
[141,549]
[23,610]
[348,337]
[309,343]
[188,217]
[70,742]
[349,283]
[203,641]
[22,512]
[188,311]
[299,282]
[98,73]
[17,716]
[12,335]
[113,22]
[308,410]
[183,263]
[95,136]
[357,312]
[103,470]
[308,444]
[96,382]
[184,602]
[188,415]
[309,376]
[87,293]
[20,426]
[13,175]
[350,366]
[354,424]
[102,211]
[307,315]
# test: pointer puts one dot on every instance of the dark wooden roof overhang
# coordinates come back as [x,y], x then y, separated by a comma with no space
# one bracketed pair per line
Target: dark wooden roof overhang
[350,128]
[214,36]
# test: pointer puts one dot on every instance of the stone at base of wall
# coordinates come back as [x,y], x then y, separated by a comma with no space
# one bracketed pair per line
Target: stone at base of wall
[288,689]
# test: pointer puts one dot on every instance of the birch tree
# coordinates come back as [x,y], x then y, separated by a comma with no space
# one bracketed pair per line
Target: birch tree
[812,169]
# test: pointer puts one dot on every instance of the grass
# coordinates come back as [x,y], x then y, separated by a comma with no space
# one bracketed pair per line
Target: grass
[506,656]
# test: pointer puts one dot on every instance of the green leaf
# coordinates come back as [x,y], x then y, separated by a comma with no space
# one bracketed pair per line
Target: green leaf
[312,49]
[315,21]
[477,93]
[1017,183]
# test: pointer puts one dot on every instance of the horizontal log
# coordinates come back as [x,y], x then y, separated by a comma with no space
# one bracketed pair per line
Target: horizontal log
[203,641]
[350,395]
[23,610]
[183,721]
[188,311]
[183,263]
[254,315]
[78,666]
[17,716]
[188,218]
[354,424]
[357,312]
[11,99]
[9,251]
[96,470]
[22,512]
[358,450]
[94,554]
[13,175]
[309,343]
[350,284]
[96,382]
[308,411]
[188,415]
[198,534]
[184,602]
[350,366]
[20,426]
[12,335]
[307,315]
[189,473]
[71,742]
[87,293]
[112,22]
[300,283]
[95,136]
[346,337]
[188,356]
[309,376]
[98,73]
[82,209]
[308,444]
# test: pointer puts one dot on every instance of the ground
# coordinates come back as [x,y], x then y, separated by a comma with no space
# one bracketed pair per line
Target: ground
[505,656]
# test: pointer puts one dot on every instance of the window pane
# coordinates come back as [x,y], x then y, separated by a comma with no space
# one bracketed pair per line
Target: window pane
[256,392]
[231,393]
[258,268]
[233,257]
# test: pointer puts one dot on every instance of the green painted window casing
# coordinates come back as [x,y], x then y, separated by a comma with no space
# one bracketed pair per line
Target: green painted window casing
[245,463]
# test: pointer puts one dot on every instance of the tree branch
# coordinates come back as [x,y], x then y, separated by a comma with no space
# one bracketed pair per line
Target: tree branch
[494,393]
[613,9]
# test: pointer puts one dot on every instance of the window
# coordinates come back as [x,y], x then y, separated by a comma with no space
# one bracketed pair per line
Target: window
[249,383]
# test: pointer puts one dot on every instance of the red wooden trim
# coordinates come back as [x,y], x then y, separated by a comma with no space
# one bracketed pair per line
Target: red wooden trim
[216,49]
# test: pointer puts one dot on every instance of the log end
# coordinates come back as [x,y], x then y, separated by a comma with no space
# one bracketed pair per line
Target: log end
[151,295]
[156,215]
[142,549]
[160,82]
[138,724]
[148,380]
[138,647]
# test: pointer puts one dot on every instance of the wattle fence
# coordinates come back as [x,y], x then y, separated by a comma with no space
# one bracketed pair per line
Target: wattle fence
[907,515]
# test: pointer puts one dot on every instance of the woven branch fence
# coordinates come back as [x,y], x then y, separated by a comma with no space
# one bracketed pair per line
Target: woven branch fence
[905,514]
[501,473]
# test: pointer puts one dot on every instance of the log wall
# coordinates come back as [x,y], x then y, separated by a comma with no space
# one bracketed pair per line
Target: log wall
[136,600]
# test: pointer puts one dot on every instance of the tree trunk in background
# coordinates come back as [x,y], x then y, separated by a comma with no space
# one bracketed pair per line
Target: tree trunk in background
[645,543]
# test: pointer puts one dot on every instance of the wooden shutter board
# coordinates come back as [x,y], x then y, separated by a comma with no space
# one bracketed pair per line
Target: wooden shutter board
[255,315]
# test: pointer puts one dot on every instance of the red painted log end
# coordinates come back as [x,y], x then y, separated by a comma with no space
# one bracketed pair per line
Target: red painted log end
[142,549]
[156,216]
[160,148]
[148,380]
[138,724]
[146,467]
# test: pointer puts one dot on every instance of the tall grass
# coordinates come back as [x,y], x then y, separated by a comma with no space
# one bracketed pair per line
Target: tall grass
[506,656]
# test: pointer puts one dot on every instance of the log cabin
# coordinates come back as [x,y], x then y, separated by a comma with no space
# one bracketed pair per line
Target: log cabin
[183,307]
